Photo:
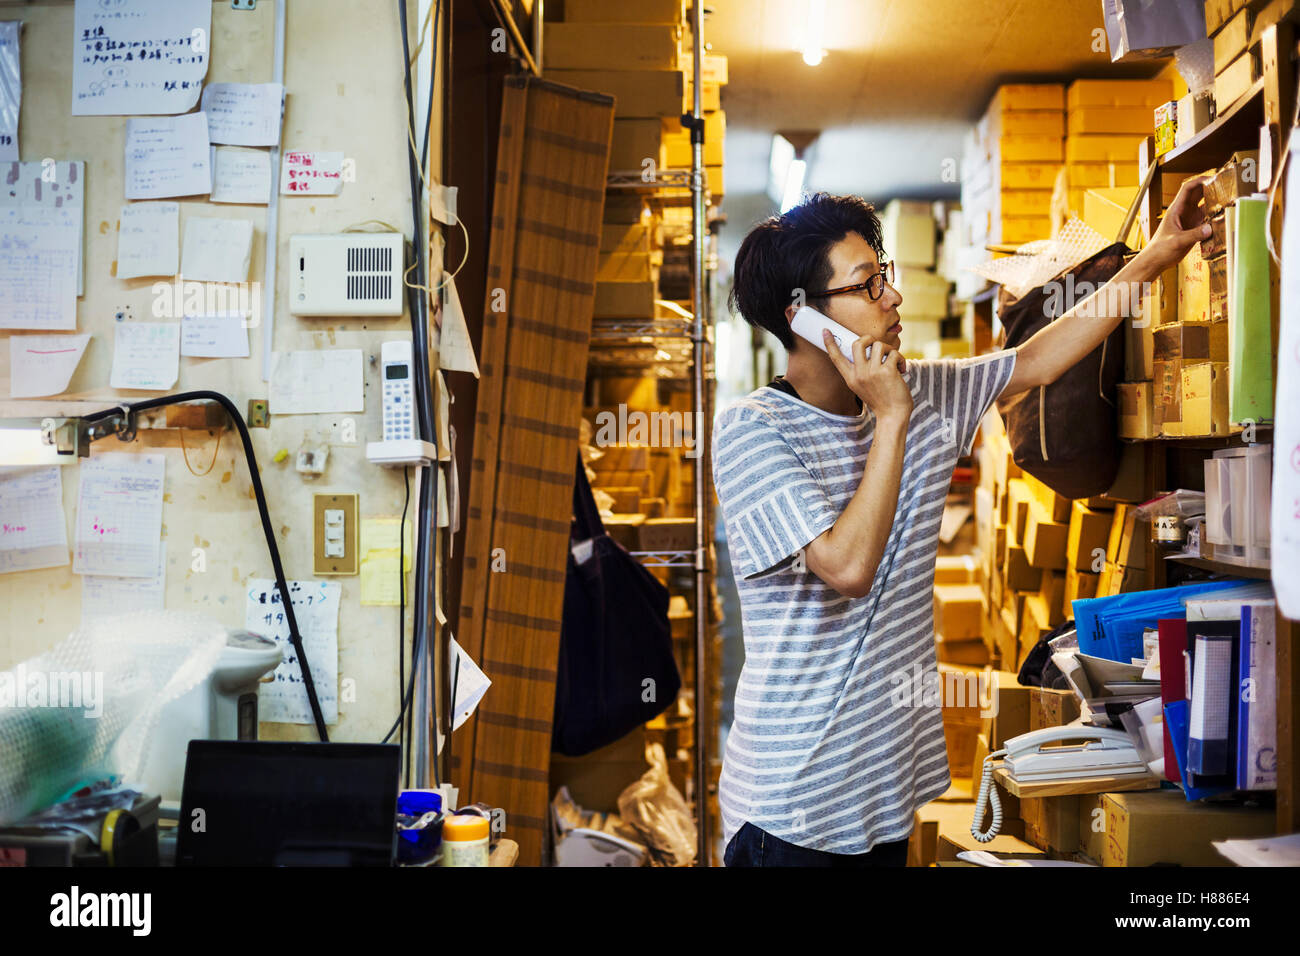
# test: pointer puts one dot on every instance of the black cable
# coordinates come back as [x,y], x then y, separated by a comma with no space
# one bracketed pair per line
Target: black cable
[401,595]
[250,459]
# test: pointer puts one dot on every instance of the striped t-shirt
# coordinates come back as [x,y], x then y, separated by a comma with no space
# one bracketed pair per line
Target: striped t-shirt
[830,749]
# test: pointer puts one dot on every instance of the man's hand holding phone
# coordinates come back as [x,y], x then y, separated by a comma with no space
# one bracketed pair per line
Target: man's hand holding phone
[875,376]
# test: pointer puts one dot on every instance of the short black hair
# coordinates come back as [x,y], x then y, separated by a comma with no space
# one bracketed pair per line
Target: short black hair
[791,251]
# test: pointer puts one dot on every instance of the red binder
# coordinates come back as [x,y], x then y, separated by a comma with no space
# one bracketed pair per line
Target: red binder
[1172,638]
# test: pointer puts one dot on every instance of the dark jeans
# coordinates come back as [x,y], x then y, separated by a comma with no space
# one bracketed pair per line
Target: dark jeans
[754,847]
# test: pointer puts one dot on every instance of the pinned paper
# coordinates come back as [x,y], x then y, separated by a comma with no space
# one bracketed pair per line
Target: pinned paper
[455,350]
[139,57]
[317,380]
[442,203]
[42,365]
[168,156]
[316,609]
[217,250]
[468,682]
[119,515]
[146,355]
[244,114]
[379,549]
[11,88]
[39,250]
[148,240]
[103,595]
[50,185]
[311,174]
[241,175]
[33,532]
[220,335]
[443,413]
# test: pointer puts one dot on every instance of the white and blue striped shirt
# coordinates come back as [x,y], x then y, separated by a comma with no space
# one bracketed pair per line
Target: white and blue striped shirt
[829,748]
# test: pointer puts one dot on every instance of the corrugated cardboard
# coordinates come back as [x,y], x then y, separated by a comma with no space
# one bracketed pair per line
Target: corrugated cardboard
[1148,93]
[637,93]
[1045,539]
[612,46]
[1136,414]
[1149,827]
[1102,149]
[958,611]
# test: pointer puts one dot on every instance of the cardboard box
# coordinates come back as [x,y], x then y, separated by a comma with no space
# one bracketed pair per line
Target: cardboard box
[595,780]
[1005,626]
[637,93]
[1030,149]
[677,141]
[1236,79]
[954,569]
[625,210]
[635,142]
[1018,498]
[1003,845]
[909,235]
[1150,827]
[1167,397]
[1088,537]
[643,11]
[1079,585]
[1026,175]
[922,847]
[1028,96]
[1112,93]
[1236,178]
[1102,149]
[667,534]
[1136,414]
[625,300]
[1051,708]
[1102,175]
[1052,591]
[974,653]
[612,46]
[1136,120]
[1025,202]
[1028,123]
[1011,710]
[1192,343]
[1056,506]
[1017,230]
[1205,399]
[1051,823]
[625,238]
[620,267]
[1018,574]
[710,98]
[1092,826]
[1035,622]
[1045,539]
[958,611]
[1126,545]
[1116,579]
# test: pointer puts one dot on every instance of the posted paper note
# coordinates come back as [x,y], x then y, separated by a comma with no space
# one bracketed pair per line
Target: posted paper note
[304,173]
[241,175]
[139,57]
[316,609]
[119,515]
[148,240]
[104,595]
[221,335]
[168,156]
[146,355]
[1285,513]
[52,185]
[42,365]
[33,531]
[317,380]
[244,114]
[216,250]
[381,550]
[39,250]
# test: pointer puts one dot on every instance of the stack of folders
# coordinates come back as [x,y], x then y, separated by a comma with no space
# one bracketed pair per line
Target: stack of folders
[1218,686]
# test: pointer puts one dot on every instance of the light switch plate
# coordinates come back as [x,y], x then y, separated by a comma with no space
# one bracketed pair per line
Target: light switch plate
[348,561]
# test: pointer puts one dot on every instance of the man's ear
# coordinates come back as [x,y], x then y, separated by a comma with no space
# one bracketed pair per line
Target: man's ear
[790,310]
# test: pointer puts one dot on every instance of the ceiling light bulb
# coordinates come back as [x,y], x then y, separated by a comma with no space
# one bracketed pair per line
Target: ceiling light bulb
[813,57]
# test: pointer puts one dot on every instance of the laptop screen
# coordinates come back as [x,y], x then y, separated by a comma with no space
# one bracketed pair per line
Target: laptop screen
[276,803]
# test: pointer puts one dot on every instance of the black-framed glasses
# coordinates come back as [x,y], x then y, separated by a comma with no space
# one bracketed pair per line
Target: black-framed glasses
[875,286]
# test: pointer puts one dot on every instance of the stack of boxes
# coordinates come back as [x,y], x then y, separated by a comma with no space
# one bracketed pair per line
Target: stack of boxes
[1011,163]
[1237,27]
[1107,122]
[908,230]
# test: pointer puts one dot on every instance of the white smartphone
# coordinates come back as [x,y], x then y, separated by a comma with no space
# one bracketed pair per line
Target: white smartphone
[808,324]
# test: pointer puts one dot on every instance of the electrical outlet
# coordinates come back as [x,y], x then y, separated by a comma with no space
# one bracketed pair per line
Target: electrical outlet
[335,543]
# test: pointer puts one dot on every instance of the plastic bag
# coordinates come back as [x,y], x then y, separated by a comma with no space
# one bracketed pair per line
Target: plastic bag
[1138,29]
[658,812]
[86,709]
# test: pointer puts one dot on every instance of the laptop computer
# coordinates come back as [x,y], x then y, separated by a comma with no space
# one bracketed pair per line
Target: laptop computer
[280,803]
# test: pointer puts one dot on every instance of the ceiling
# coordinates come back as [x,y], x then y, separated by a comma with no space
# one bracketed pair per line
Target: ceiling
[901,84]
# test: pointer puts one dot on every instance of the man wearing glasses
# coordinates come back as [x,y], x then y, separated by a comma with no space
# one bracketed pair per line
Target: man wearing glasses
[832,483]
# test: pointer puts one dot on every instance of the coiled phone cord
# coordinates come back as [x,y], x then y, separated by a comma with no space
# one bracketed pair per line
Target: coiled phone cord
[988,793]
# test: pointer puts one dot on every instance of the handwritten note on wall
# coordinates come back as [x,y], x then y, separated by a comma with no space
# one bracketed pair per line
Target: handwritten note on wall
[33,533]
[216,250]
[316,609]
[11,88]
[148,240]
[311,174]
[38,267]
[146,355]
[52,185]
[244,114]
[241,175]
[219,335]
[167,156]
[317,380]
[141,57]
[119,515]
[43,364]
[103,595]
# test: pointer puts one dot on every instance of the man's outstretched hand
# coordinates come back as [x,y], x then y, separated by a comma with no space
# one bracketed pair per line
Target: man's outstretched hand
[1183,226]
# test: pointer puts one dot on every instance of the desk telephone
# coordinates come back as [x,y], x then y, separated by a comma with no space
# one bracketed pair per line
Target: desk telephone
[1044,755]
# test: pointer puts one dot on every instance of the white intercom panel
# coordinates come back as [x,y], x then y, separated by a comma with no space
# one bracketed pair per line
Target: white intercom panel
[351,273]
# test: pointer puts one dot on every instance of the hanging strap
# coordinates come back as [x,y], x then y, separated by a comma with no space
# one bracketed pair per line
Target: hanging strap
[586,516]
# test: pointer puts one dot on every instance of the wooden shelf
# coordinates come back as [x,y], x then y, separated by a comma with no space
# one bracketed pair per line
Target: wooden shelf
[1204,442]
[1077,785]
[1234,130]
[1223,567]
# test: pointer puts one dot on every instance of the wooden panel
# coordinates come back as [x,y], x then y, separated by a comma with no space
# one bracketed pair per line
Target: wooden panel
[344,93]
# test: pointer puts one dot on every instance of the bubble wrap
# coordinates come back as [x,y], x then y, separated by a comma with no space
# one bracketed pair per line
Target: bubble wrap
[55,740]
[1195,64]
[1038,262]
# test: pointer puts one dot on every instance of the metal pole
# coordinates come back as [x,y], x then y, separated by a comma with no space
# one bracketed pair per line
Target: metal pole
[699,354]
